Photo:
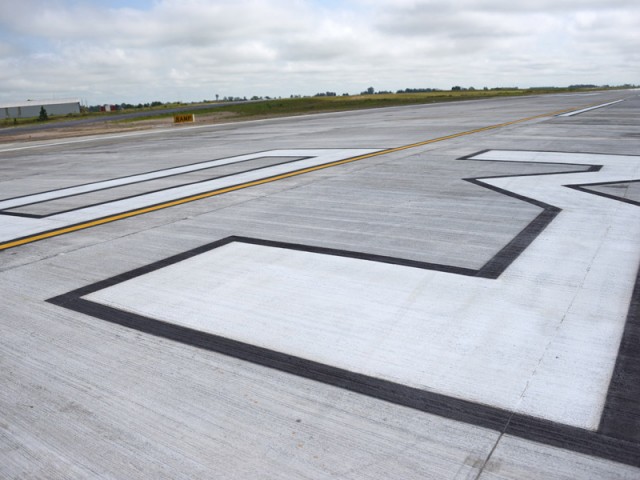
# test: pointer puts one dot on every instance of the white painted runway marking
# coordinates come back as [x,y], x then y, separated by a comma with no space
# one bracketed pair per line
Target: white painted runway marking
[540,340]
[118,182]
[577,112]
[13,227]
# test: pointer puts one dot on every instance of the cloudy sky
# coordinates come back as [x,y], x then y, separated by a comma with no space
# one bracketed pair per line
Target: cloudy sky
[134,51]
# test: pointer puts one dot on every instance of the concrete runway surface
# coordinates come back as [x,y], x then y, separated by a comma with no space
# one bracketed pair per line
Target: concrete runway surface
[447,291]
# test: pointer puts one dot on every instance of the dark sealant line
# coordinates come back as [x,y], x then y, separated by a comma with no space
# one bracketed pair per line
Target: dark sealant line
[19,214]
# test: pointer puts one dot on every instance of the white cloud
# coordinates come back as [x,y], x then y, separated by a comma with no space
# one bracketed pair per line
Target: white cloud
[193,49]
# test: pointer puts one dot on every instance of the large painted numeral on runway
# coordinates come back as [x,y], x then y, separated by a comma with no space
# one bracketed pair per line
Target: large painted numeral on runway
[539,340]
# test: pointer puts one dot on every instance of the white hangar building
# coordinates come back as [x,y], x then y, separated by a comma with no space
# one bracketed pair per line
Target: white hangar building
[31,108]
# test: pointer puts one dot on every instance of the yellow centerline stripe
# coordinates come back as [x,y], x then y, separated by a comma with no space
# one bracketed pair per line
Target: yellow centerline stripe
[200,196]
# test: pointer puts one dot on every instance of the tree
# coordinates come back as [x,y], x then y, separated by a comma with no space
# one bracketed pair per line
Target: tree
[43,115]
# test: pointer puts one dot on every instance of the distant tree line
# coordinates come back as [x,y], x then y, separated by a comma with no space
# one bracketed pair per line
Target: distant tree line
[125,106]
[368,91]
[418,90]
[583,86]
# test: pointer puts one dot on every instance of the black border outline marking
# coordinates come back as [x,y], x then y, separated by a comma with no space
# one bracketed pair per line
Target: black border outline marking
[18,214]
[9,211]
[621,413]
[499,263]
[607,442]
[583,187]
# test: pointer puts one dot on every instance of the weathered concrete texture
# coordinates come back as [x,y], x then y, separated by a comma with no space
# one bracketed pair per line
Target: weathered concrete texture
[515,458]
[118,405]
[86,398]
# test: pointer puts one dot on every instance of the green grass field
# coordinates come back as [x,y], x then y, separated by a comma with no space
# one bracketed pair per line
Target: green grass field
[305,105]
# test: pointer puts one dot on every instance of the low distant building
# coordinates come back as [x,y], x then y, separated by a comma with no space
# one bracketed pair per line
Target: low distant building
[31,108]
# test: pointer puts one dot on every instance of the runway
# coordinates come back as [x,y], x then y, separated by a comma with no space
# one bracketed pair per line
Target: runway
[439,291]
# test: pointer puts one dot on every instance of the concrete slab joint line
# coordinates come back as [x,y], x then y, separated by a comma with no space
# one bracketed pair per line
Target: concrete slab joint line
[22,228]
[556,297]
